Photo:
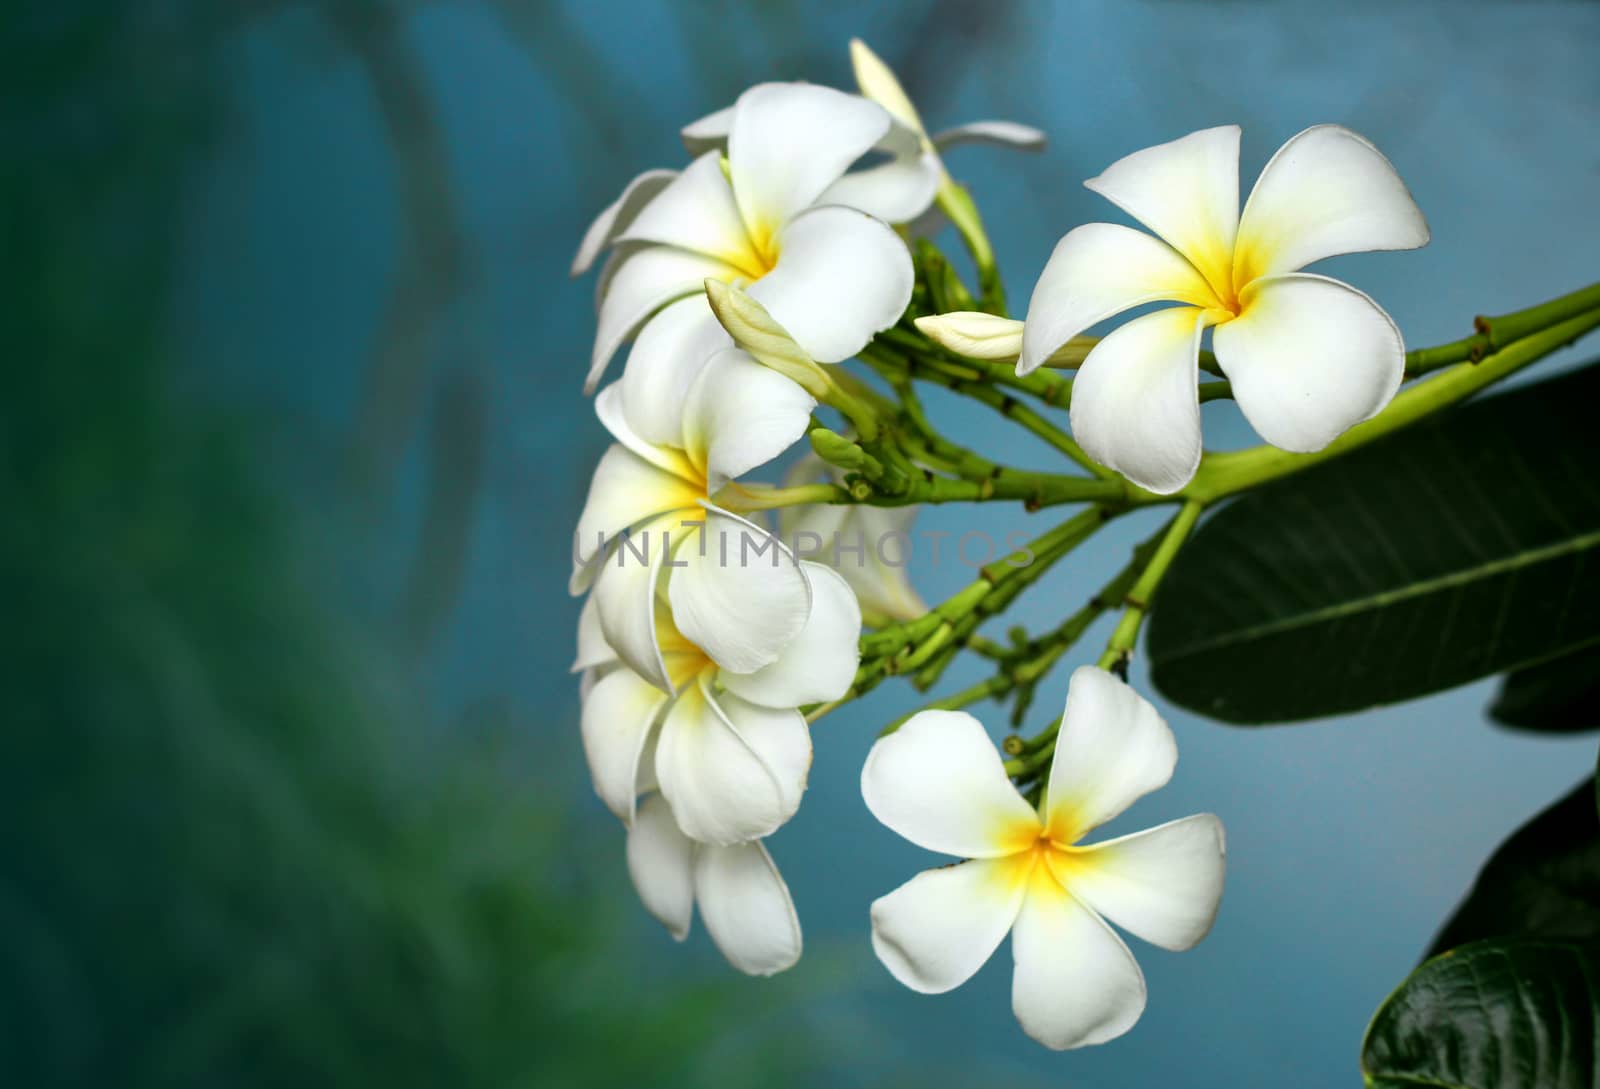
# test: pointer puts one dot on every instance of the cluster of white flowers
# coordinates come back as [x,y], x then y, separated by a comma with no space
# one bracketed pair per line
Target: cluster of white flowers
[704,638]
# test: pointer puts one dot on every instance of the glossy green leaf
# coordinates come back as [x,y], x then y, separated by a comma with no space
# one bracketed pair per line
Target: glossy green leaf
[1498,1014]
[1463,547]
[1542,882]
[1560,696]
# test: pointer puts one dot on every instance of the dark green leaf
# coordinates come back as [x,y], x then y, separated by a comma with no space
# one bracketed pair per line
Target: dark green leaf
[1542,882]
[1559,696]
[1499,1014]
[1460,548]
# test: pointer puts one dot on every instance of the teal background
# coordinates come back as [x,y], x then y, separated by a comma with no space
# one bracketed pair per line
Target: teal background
[294,443]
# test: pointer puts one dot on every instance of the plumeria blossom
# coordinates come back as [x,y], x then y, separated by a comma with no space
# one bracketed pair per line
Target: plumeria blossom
[762,218]
[938,781]
[870,546]
[724,743]
[1308,356]
[743,900]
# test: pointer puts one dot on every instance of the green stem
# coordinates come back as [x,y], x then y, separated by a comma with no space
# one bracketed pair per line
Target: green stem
[957,203]
[1120,646]
[1501,331]
[1226,474]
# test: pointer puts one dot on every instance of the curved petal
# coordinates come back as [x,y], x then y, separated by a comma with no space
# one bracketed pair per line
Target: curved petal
[1113,749]
[739,414]
[610,407]
[738,593]
[841,276]
[636,286]
[935,931]
[661,863]
[878,82]
[1187,191]
[663,363]
[975,334]
[1163,884]
[820,662]
[708,133]
[719,787]
[995,133]
[788,142]
[897,191]
[625,599]
[880,581]
[938,781]
[593,650]
[779,736]
[624,491]
[696,212]
[618,715]
[747,908]
[1326,192]
[1309,358]
[1075,982]
[617,215]
[1099,270]
[1135,404]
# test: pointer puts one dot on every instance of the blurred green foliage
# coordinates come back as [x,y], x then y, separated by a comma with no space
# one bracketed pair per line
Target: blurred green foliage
[232,855]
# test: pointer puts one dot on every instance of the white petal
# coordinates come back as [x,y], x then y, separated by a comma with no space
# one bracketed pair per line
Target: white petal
[1075,982]
[779,736]
[1309,358]
[696,212]
[820,662]
[1187,191]
[618,716]
[746,908]
[879,83]
[897,191]
[789,142]
[1326,192]
[938,781]
[661,863]
[643,282]
[879,585]
[609,406]
[841,277]
[1135,405]
[625,490]
[710,132]
[1163,884]
[719,787]
[739,414]
[625,597]
[995,133]
[1113,749]
[975,334]
[617,215]
[663,363]
[939,928]
[1096,271]
[593,650]
[737,592]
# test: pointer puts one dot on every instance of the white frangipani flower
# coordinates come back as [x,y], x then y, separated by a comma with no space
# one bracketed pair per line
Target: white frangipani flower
[938,781]
[762,218]
[743,900]
[1308,356]
[725,743]
[745,634]
[870,546]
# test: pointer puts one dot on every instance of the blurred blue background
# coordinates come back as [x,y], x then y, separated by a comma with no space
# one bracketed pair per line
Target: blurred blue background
[315,254]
